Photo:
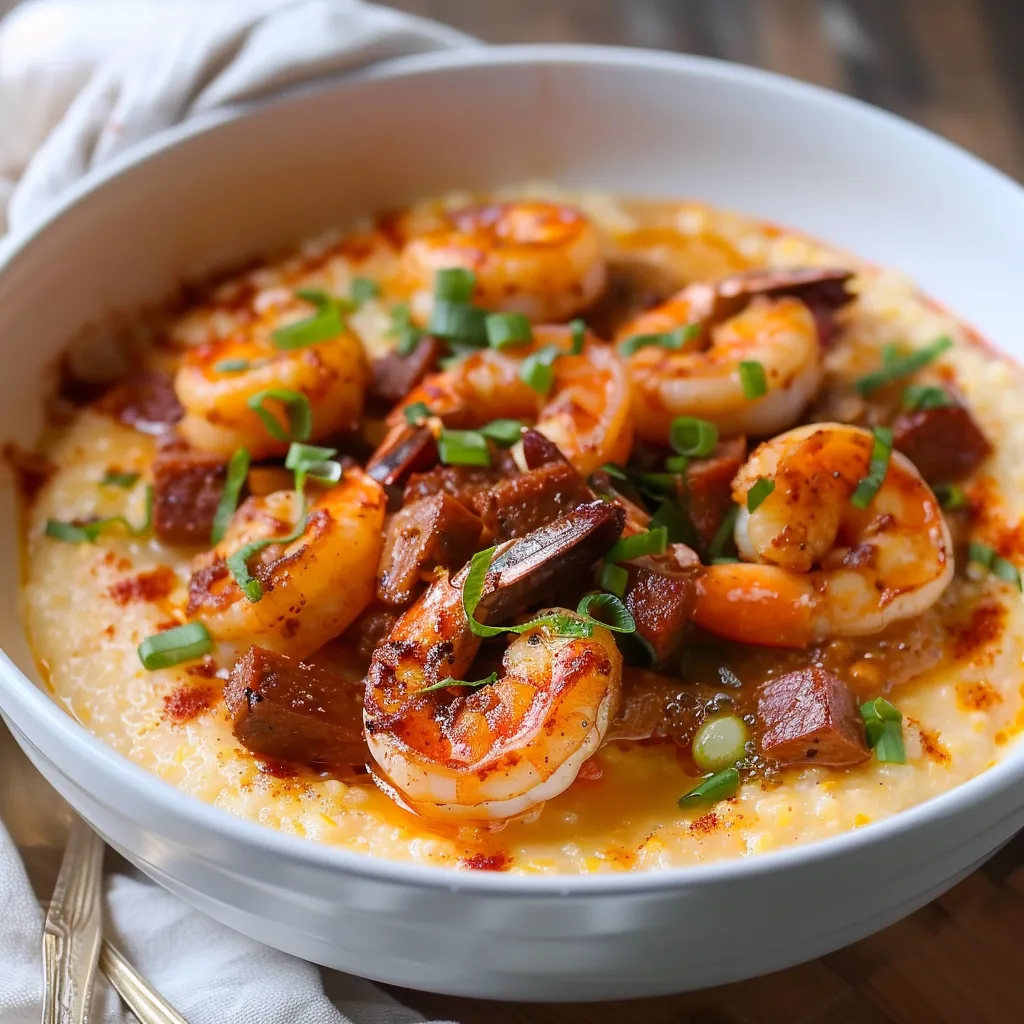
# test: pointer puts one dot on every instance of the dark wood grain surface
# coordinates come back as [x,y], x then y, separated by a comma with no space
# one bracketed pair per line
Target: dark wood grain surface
[956,66]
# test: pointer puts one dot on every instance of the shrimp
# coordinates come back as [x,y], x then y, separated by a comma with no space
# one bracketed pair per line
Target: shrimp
[313,587]
[541,259]
[586,412]
[779,334]
[499,750]
[216,381]
[817,565]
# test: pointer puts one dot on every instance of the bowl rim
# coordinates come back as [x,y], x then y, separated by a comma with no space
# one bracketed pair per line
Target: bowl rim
[31,701]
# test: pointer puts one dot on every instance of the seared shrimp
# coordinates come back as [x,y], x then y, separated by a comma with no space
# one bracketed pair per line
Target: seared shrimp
[502,749]
[541,259]
[313,587]
[824,567]
[705,381]
[586,412]
[216,381]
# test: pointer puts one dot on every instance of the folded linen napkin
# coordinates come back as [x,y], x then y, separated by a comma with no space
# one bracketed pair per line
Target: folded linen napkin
[79,83]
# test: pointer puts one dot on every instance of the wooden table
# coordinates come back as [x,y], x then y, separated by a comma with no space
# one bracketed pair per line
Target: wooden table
[955,66]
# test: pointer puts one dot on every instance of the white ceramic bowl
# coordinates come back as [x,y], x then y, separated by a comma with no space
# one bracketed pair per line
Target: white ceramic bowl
[235,184]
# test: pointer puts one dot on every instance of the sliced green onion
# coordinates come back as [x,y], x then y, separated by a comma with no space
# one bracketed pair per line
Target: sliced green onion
[614,579]
[674,339]
[883,726]
[720,743]
[406,333]
[677,463]
[986,556]
[881,453]
[308,461]
[537,371]
[114,478]
[894,366]
[612,613]
[763,486]
[454,284]
[693,437]
[238,563]
[232,366]
[326,323]
[615,472]
[455,321]
[298,412]
[951,496]
[238,471]
[507,329]
[503,432]
[579,335]
[724,535]
[463,448]
[651,542]
[924,396]
[416,414]
[87,532]
[448,681]
[364,288]
[753,379]
[173,646]
[722,786]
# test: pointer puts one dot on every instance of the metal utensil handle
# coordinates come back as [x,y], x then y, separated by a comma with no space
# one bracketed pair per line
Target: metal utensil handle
[141,998]
[73,929]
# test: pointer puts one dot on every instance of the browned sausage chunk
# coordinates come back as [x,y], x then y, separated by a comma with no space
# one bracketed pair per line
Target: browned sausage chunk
[811,716]
[145,401]
[289,711]
[394,375]
[187,486]
[461,482]
[414,449]
[512,508]
[709,486]
[660,595]
[430,533]
[945,444]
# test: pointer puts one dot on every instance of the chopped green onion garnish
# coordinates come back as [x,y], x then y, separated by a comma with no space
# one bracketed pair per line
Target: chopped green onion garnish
[896,366]
[173,646]
[985,555]
[753,379]
[404,330]
[308,461]
[720,742]
[87,532]
[297,410]
[325,324]
[364,288]
[951,496]
[883,726]
[232,366]
[693,437]
[651,542]
[677,463]
[507,329]
[614,579]
[238,470]
[537,370]
[870,485]
[113,478]
[723,536]
[416,414]
[674,339]
[238,563]
[455,321]
[763,486]
[448,681]
[579,335]
[923,396]
[722,786]
[612,613]
[504,433]
[463,448]
[454,284]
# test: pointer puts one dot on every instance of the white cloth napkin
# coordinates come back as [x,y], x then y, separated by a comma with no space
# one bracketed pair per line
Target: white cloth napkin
[79,83]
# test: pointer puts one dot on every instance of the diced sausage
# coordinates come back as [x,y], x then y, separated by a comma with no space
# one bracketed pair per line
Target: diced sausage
[394,375]
[286,710]
[539,450]
[945,444]
[430,533]
[145,401]
[461,482]
[811,716]
[709,486]
[371,628]
[187,487]
[412,450]
[512,508]
[660,595]
[823,287]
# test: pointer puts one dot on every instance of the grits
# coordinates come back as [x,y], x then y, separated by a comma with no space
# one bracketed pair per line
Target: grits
[86,607]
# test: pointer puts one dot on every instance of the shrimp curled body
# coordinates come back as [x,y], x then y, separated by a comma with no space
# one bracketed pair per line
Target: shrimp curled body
[313,587]
[816,565]
[498,751]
